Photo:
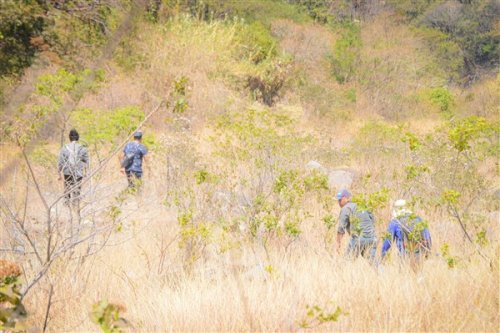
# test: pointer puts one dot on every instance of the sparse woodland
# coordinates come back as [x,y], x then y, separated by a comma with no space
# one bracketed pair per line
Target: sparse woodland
[255,114]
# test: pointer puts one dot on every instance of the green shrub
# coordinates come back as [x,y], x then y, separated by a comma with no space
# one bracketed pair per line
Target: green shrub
[464,132]
[105,129]
[108,317]
[20,23]
[12,311]
[344,58]
[442,98]
[256,41]
[266,80]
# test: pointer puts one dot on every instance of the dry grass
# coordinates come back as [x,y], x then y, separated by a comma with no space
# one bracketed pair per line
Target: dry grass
[215,298]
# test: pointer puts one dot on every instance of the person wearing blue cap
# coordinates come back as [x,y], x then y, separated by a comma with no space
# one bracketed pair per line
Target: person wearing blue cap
[359,224]
[134,154]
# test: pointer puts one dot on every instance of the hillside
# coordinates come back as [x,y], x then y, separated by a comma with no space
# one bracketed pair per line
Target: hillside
[255,113]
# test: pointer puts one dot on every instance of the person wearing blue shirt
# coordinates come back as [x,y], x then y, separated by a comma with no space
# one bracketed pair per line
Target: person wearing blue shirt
[134,154]
[408,231]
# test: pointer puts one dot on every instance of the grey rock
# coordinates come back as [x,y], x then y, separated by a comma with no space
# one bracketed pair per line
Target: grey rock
[339,179]
[314,165]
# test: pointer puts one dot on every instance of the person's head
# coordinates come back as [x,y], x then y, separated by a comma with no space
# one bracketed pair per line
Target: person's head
[400,208]
[343,197]
[73,135]
[138,136]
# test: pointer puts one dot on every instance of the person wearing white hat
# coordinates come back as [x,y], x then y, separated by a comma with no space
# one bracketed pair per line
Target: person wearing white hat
[408,231]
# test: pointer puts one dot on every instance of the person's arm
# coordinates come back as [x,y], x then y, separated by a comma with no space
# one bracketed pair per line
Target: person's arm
[60,163]
[85,160]
[121,157]
[426,237]
[339,241]
[343,225]
[388,240]
[144,155]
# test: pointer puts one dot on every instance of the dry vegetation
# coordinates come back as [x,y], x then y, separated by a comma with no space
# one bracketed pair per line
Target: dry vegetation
[230,231]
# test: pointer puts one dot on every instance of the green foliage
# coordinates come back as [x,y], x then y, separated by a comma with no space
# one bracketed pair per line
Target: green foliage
[108,317]
[445,253]
[114,212]
[442,98]
[377,137]
[463,34]
[12,312]
[346,51]
[329,221]
[203,176]
[372,201]
[256,133]
[195,234]
[108,128]
[43,156]
[20,23]
[316,181]
[316,316]
[179,94]
[414,171]
[411,8]
[412,140]
[481,238]
[267,79]
[465,131]
[317,9]
[28,119]
[450,197]
[415,235]
[57,86]
[448,57]
[264,11]
[62,30]
[256,42]
[289,186]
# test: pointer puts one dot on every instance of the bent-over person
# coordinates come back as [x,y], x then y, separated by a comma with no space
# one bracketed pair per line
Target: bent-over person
[359,224]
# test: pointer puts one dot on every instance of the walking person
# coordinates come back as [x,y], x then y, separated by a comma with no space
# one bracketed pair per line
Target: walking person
[73,164]
[134,155]
[409,232]
[359,224]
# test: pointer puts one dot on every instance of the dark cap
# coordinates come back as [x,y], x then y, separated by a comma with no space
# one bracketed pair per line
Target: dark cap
[73,135]
[138,134]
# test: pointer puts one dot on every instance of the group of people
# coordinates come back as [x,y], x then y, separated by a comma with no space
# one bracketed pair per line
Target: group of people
[73,165]
[407,230]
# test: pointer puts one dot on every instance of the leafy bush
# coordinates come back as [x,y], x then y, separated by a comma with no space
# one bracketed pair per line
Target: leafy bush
[256,41]
[267,80]
[257,10]
[317,316]
[467,40]
[66,28]
[105,129]
[108,317]
[20,23]
[442,98]
[345,54]
[12,311]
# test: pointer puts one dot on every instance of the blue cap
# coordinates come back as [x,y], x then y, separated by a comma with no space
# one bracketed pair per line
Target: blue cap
[138,134]
[343,194]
